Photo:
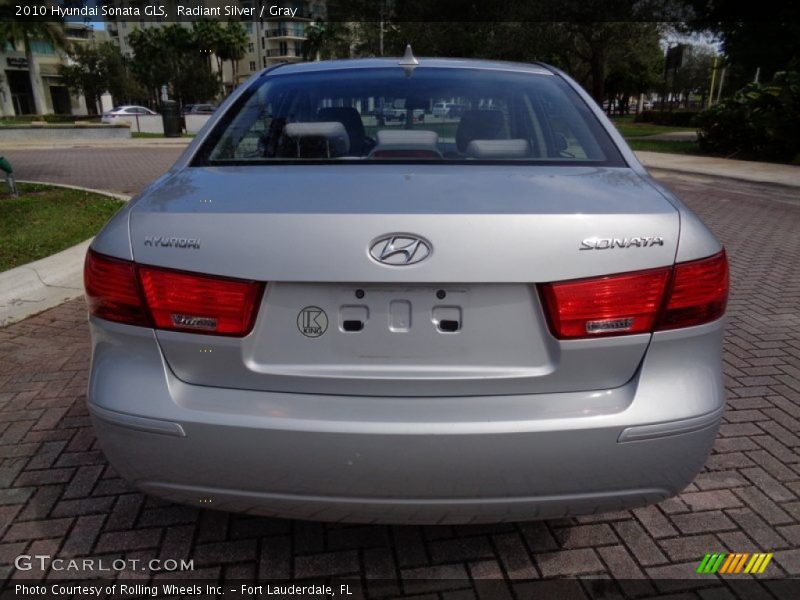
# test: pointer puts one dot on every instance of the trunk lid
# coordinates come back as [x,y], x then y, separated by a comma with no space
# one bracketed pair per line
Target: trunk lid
[466,320]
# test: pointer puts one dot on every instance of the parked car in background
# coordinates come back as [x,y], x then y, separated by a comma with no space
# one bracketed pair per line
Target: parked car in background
[454,111]
[389,113]
[448,109]
[505,319]
[198,109]
[440,109]
[125,113]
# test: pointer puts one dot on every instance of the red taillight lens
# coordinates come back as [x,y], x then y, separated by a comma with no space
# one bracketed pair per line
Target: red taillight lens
[696,292]
[699,292]
[121,291]
[112,291]
[200,303]
[612,305]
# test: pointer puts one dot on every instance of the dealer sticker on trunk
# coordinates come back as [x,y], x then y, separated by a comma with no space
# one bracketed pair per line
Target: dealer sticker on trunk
[312,321]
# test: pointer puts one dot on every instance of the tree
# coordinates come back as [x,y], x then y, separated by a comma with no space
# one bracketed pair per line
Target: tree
[635,65]
[150,64]
[232,46]
[174,56]
[338,39]
[694,75]
[97,69]
[754,36]
[23,33]
[210,36]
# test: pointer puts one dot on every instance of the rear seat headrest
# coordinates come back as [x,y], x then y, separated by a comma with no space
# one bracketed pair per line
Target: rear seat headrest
[318,139]
[516,148]
[411,143]
[408,137]
[479,125]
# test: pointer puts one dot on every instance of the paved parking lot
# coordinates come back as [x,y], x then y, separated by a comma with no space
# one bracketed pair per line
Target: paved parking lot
[58,496]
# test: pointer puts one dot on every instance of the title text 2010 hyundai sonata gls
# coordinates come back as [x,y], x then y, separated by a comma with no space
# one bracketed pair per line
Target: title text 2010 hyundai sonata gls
[490,316]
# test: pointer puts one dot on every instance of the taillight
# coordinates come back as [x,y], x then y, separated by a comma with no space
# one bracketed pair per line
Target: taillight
[121,291]
[699,292]
[200,303]
[612,305]
[112,291]
[687,294]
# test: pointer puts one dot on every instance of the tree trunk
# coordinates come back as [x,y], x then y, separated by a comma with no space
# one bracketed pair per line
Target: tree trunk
[220,74]
[39,105]
[598,69]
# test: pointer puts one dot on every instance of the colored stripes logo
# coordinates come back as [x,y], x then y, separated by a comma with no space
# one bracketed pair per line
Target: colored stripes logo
[734,563]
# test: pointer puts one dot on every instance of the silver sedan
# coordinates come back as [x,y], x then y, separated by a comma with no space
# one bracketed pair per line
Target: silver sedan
[315,314]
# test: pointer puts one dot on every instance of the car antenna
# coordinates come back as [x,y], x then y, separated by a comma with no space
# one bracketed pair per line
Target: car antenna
[408,58]
[409,61]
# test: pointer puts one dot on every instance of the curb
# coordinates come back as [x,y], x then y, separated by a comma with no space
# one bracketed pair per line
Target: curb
[786,176]
[696,176]
[29,289]
[132,143]
[118,196]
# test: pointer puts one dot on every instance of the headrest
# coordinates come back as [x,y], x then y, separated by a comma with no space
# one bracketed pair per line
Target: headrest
[406,143]
[517,148]
[479,125]
[319,139]
[407,138]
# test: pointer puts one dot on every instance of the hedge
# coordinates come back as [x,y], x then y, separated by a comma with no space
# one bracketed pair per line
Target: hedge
[22,119]
[760,122]
[676,118]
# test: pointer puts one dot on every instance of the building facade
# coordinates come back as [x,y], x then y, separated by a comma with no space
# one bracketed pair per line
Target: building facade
[271,40]
[16,86]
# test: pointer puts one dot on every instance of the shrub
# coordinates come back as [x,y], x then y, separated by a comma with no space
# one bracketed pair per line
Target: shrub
[677,118]
[759,122]
[23,119]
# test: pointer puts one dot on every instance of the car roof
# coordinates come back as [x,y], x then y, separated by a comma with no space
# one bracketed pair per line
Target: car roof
[438,63]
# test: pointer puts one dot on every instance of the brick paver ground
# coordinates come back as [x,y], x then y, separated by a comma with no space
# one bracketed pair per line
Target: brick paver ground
[59,496]
[122,170]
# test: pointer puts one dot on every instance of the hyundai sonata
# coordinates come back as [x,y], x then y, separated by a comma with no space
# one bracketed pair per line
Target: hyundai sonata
[318,315]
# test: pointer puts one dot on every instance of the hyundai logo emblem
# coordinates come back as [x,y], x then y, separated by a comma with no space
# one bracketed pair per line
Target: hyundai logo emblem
[400,249]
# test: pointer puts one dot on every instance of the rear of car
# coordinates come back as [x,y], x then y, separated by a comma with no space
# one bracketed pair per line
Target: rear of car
[319,314]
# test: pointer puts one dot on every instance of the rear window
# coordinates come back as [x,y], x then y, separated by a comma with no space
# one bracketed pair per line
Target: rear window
[434,114]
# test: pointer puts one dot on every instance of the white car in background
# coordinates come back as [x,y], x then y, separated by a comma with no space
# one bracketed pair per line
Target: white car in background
[125,113]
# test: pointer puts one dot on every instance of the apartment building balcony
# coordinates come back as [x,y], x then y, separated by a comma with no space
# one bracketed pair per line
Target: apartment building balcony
[289,53]
[300,15]
[286,33]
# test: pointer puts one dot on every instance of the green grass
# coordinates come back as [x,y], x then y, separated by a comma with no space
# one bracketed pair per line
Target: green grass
[46,219]
[671,147]
[629,129]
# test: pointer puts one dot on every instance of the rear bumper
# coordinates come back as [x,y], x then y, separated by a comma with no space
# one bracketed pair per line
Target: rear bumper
[407,460]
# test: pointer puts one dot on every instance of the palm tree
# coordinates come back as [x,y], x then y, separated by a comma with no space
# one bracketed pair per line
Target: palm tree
[233,46]
[210,37]
[314,42]
[17,33]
